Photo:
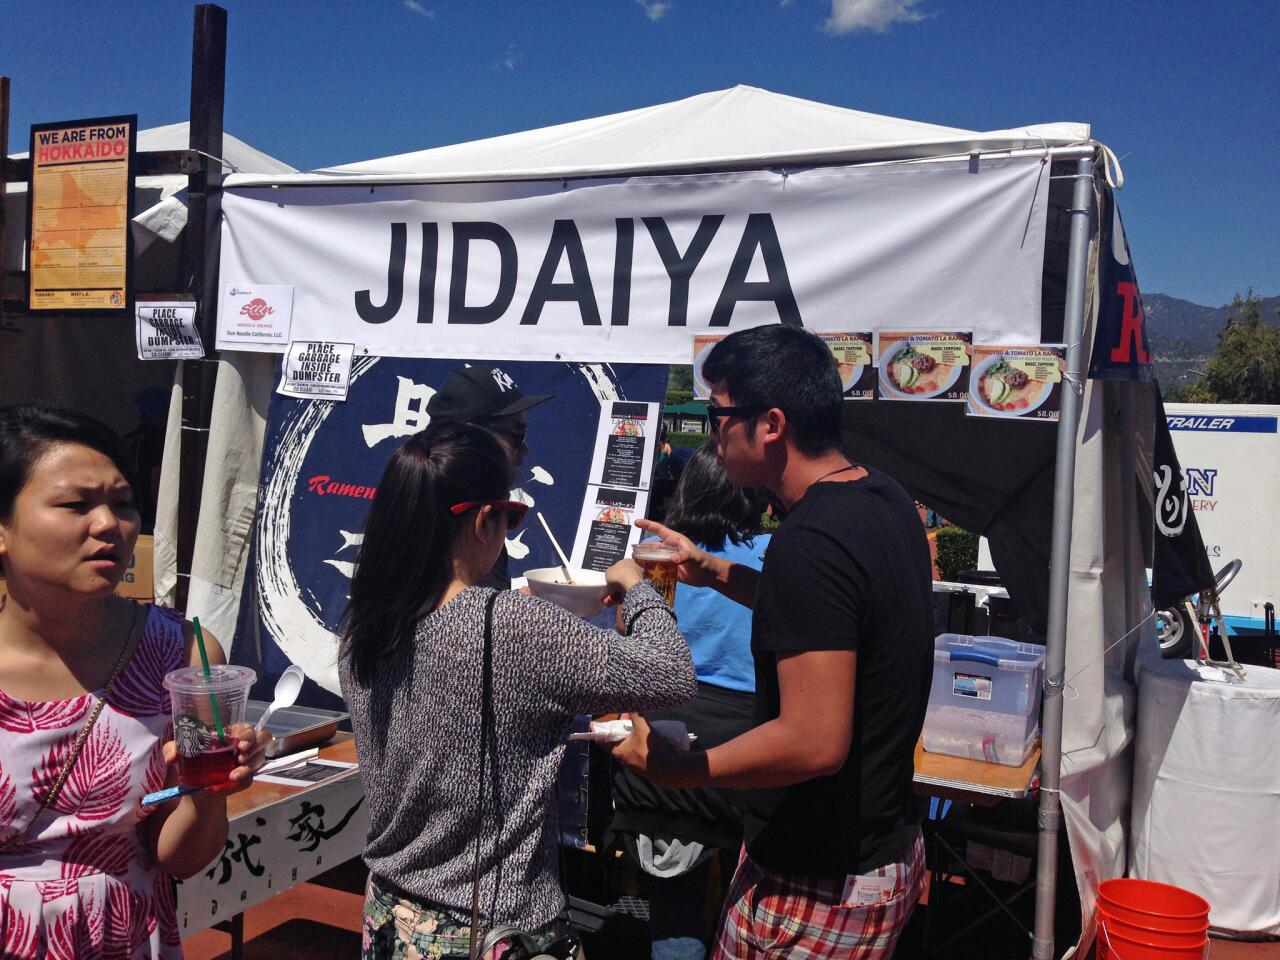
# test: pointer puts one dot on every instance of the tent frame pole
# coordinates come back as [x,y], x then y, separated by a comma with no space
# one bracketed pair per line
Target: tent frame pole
[1050,816]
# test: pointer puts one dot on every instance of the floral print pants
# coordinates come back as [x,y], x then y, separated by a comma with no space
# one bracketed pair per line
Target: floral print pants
[397,928]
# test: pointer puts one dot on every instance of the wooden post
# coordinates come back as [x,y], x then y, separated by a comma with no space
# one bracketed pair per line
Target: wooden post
[4,161]
[204,205]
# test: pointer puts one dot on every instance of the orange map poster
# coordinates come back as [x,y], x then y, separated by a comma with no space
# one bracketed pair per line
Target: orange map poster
[80,199]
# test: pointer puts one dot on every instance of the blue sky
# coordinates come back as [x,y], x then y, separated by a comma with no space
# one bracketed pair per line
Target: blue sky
[1187,93]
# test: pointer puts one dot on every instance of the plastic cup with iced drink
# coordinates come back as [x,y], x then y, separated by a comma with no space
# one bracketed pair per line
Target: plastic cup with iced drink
[654,558]
[207,744]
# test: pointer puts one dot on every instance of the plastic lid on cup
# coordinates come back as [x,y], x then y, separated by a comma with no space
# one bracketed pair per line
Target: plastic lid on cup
[654,551]
[223,678]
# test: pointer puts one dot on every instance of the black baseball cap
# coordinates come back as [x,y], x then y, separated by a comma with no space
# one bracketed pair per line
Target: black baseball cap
[475,394]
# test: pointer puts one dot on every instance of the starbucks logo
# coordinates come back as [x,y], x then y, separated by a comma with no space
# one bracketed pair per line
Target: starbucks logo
[190,735]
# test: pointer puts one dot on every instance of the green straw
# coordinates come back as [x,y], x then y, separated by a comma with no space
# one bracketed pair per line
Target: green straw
[208,678]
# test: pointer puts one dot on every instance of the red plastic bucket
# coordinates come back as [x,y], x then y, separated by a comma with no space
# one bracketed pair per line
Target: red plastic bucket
[1114,945]
[1144,920]
[1147,905]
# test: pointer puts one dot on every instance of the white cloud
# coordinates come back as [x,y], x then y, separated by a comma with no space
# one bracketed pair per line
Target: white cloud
[419,9]
[511,59]
[655,10]
[850,16]
[785,3]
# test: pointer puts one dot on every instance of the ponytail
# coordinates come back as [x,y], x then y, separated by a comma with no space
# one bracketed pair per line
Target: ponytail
[405,562]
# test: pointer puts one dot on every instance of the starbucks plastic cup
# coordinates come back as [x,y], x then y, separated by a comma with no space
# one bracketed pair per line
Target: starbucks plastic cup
[207,740]
[654,558]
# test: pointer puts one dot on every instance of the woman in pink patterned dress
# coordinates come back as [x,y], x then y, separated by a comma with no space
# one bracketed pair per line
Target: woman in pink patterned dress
[88,874]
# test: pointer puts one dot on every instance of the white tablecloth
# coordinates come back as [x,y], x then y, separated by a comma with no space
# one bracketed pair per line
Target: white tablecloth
[1206,791]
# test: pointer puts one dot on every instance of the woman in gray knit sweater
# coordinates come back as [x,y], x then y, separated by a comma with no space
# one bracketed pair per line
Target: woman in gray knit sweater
[410,667]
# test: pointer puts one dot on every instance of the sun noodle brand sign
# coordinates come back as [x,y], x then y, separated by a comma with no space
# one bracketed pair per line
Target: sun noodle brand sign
[78,214]
[316,370]
[166,330]
[595,270]
[258,314]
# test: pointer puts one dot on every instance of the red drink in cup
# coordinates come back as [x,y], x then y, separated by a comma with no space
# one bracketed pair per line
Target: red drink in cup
[208,721]
[654,558]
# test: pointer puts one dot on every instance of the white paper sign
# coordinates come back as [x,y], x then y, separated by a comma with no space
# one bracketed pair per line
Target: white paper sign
[628,269]
[316,370]
[606,528]
[255,314]
[625,442]
[166,330]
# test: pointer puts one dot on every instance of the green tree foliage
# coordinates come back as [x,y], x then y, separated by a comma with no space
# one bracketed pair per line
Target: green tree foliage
[681,378]
[957,550]
[691,440]
[1246,366]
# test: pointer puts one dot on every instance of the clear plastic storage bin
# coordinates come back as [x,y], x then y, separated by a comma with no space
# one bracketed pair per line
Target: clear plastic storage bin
[984,703]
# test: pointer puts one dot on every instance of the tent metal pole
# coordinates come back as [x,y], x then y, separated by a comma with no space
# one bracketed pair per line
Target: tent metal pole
[1060,561]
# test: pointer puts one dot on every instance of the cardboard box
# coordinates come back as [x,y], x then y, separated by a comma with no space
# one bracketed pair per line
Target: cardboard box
[139,580]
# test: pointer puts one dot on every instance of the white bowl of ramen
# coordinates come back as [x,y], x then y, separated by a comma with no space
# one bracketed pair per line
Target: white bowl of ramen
[584,597]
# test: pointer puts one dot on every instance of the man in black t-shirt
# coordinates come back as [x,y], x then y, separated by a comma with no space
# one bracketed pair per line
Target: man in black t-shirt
[842,638]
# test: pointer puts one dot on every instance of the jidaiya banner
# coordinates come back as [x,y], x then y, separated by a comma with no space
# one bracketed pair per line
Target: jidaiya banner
[609,269]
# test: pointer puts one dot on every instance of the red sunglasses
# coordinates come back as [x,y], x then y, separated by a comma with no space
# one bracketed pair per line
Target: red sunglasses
[514,509]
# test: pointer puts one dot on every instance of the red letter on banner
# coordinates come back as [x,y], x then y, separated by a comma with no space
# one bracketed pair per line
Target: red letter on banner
[1130,327]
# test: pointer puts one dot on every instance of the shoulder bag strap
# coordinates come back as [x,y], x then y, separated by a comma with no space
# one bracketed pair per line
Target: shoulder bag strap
[130,644]
[486,714]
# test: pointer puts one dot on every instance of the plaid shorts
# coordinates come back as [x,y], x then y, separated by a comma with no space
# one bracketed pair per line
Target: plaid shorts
[776,915]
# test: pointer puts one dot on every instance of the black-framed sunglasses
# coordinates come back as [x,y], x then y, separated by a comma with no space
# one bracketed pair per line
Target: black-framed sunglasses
[516,434]
[714,413]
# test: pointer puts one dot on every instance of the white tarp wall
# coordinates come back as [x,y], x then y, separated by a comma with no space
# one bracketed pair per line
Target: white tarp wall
[630,269]
[1108,617]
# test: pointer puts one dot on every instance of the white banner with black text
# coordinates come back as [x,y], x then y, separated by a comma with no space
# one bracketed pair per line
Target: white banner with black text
[630,269]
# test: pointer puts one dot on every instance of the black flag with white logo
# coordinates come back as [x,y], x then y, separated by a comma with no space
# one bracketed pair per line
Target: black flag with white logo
[1180,565]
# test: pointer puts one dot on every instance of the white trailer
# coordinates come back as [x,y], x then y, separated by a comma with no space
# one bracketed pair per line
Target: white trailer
[1230,457]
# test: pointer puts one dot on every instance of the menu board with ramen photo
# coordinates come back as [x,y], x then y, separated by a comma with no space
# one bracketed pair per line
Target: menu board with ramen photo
[1016,381]
[854,363]
[923,365]
[625,443]
[606,529]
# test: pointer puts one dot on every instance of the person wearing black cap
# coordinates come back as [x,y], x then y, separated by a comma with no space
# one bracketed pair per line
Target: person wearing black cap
[487,396]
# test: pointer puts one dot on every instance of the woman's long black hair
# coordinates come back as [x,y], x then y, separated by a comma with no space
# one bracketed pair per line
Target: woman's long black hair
[405,563]
[708,509]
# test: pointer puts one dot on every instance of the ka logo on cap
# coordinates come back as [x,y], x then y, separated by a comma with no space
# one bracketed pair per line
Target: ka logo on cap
[503,380]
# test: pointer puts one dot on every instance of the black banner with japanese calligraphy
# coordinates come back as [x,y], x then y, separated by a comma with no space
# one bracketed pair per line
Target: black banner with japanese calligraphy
[321,465]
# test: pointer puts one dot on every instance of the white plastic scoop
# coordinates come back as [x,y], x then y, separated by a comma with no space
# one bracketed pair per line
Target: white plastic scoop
[286,692]
[568,577]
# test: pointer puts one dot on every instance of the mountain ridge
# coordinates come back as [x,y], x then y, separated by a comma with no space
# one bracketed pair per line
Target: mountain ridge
[1184,335]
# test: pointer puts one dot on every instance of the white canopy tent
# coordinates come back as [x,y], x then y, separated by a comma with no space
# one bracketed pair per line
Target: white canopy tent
[1098,590]
[739,128]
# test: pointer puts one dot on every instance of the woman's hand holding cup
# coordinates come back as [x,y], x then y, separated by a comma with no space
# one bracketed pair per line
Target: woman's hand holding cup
[620,578]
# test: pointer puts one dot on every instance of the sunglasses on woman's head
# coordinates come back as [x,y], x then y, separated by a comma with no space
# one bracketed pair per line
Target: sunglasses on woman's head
[514,509]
